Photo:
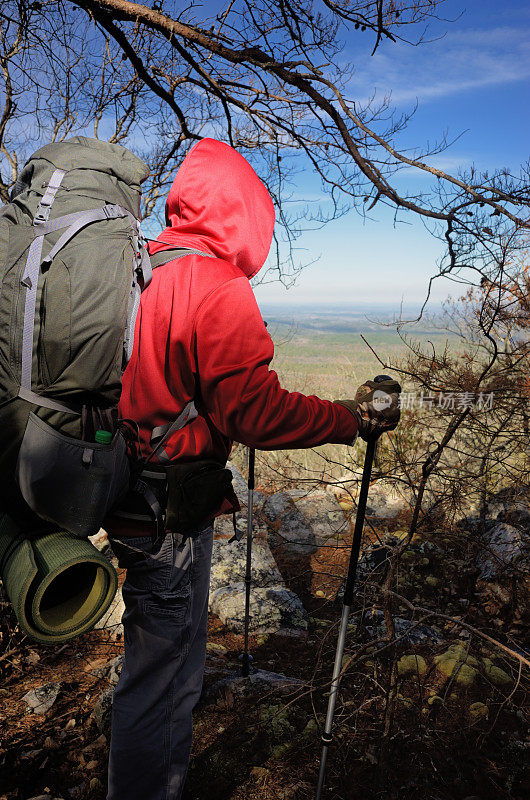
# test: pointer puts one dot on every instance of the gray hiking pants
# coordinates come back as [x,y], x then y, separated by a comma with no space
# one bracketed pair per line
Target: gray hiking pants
[165,620]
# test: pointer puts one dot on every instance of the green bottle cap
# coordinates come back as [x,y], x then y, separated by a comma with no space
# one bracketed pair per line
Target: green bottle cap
[103,437]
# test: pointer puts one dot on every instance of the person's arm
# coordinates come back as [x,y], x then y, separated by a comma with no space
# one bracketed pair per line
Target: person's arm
[242,396]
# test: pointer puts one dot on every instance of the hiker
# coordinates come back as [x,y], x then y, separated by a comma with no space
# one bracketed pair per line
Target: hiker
[200,339]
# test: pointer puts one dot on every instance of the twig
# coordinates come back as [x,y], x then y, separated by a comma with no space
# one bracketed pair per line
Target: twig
[430,613]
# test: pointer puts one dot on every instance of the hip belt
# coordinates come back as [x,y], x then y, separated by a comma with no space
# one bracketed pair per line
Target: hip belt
[177,497]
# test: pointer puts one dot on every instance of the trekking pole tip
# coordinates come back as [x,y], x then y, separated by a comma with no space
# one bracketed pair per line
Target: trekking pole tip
[245,659]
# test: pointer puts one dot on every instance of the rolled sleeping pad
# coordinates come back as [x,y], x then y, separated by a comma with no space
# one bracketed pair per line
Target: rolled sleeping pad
[59,585]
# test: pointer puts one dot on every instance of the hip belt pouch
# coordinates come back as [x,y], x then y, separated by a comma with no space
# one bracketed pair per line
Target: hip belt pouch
[195,492]
[68,481]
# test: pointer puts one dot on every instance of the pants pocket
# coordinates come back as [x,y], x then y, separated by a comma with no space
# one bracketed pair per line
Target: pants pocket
[174,605]
[148,563]
[153,568]
[130,549]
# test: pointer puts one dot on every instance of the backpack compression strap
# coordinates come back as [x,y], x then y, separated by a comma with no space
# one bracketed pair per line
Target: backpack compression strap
[30,280]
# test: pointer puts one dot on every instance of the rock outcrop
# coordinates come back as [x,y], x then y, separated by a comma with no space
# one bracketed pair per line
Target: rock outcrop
[288,526]
[507,552]
[503,559]
[229,564]
[273,607]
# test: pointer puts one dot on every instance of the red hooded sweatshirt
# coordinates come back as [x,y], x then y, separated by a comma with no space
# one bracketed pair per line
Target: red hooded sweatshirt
[199,333]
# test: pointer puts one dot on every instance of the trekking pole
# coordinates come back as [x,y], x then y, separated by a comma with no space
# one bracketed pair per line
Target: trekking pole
[327,737]
[245,656]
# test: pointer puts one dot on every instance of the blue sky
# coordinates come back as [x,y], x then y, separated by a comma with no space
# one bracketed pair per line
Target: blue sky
[474,81]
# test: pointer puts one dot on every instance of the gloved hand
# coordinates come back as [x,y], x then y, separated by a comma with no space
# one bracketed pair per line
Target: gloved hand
[375,407]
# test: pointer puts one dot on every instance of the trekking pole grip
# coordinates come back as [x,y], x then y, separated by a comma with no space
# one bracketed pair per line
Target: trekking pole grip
[375,439]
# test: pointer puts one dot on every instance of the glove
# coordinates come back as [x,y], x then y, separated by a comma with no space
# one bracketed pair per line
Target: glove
[376,407]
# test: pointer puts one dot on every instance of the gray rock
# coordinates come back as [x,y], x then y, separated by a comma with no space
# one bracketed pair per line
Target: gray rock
[385,502]
[111,670]
[518,514]
[224,526]
[511,506]
[229,564]
[215,668]
[41,797]
[288,526]
[41,699]
[256,685]
[503,566]
[428,549]
[103,710]
[506,551]
[273,609]
[323,514]
[238,482]
[374,559]
[408,632]
[111,621]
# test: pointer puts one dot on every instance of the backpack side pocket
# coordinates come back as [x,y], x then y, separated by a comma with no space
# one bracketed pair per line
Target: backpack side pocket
[70,482]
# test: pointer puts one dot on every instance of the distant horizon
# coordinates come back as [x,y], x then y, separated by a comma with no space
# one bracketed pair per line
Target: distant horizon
[324,304]
[346,307]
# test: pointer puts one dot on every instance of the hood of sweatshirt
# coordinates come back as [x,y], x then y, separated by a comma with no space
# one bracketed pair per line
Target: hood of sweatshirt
[218,204]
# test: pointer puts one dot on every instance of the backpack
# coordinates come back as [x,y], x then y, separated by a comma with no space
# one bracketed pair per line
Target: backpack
[73,263]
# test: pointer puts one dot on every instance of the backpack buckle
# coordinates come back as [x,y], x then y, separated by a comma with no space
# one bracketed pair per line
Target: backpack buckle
[112,211]
[42,215]
[43,209]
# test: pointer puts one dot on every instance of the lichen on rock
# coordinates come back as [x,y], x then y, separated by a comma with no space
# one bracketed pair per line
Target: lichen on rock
[478,711]
[453,667]
[411,665]
[496,675]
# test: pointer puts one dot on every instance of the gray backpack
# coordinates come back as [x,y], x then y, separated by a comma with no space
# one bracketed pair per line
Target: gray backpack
[72,266]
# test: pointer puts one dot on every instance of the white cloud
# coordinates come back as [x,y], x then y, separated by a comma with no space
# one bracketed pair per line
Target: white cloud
[463,60]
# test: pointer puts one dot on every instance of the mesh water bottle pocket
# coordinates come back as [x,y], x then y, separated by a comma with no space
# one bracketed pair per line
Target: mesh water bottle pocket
[69,482]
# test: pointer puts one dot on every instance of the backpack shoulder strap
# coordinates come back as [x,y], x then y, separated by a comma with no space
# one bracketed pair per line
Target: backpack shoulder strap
[164,256]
